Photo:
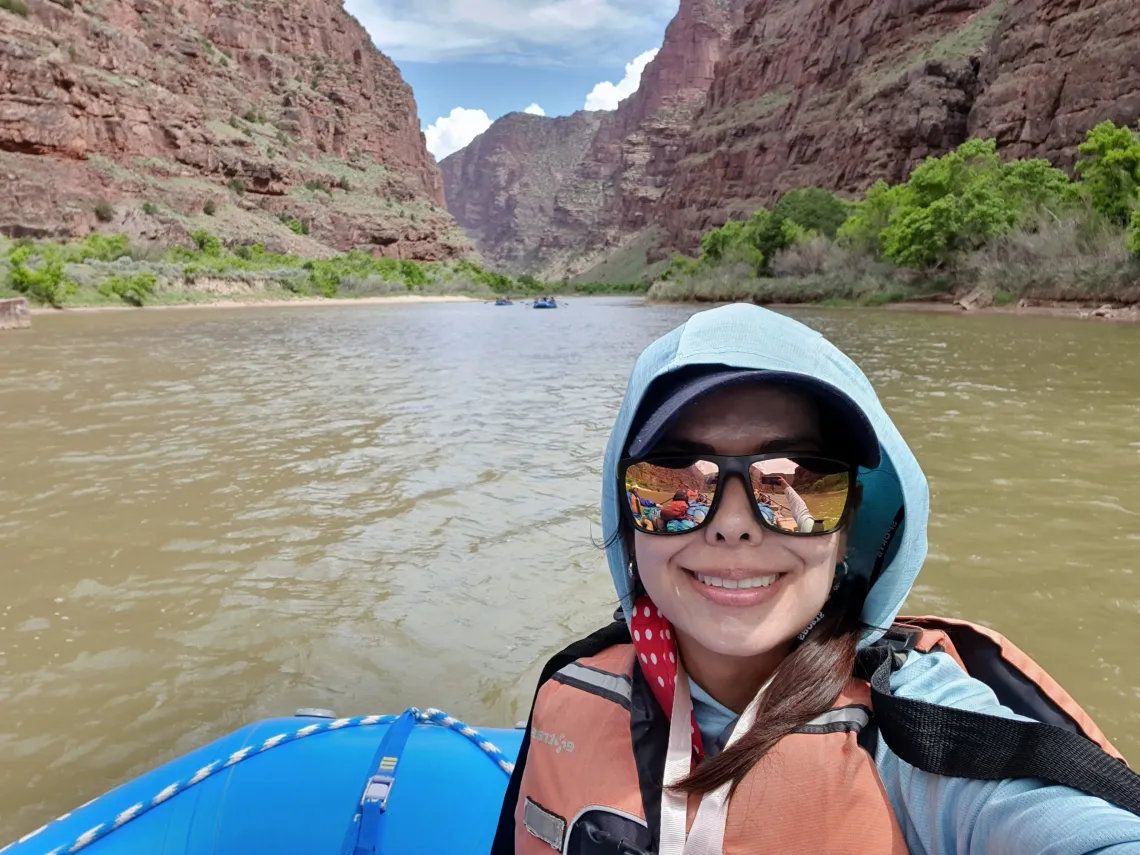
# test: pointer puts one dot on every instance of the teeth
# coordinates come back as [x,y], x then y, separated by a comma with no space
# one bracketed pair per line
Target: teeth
[718,582]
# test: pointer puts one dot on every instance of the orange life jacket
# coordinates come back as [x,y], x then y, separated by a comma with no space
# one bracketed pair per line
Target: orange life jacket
[588,780]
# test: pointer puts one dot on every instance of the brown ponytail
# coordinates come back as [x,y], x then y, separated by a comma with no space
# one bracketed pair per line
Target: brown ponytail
[804,686]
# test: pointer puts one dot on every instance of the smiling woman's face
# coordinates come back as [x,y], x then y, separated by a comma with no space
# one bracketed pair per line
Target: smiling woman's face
[711,621]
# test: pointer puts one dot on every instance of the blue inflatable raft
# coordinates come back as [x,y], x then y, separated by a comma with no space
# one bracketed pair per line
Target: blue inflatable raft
[312,784]
[503,303]
[545,304]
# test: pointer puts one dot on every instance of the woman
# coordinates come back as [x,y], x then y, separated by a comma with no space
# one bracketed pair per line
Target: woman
[752,699]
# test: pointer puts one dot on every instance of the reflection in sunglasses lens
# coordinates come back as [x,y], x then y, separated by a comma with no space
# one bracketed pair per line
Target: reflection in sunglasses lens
[800,495]
[665,497]
[805,495]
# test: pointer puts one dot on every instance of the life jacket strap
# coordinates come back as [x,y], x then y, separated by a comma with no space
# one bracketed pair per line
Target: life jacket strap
[613,687]
[966,744]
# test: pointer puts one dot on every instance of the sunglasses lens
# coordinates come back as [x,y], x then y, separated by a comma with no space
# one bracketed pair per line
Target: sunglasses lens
[815,501]
[670,496]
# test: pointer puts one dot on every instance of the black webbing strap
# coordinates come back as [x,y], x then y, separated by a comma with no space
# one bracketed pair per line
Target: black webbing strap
[966,744]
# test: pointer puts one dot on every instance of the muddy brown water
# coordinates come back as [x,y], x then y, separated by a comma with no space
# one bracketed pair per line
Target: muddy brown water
[213,516]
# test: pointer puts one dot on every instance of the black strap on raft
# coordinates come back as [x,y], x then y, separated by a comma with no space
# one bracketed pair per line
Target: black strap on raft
[965,744]
[616,633]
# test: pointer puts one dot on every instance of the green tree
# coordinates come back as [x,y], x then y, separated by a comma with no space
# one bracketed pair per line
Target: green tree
[954,204]
[863,230]
[813,209]
[1110,167]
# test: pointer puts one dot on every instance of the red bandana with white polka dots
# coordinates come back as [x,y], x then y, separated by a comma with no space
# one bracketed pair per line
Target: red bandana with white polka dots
[656,650]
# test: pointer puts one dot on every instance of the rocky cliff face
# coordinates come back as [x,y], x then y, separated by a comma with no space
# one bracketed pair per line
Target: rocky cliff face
[1054,69]
[272,110]
[613,167]
[818,93]
[836,94]
[503,185]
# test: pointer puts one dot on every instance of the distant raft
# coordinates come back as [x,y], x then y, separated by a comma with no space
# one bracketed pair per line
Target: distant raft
[546,304]
[420,782]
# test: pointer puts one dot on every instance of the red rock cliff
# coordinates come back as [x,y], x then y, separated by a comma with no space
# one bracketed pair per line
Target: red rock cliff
[608,188]
[501,188]
[1054,69]
[835,94]
[266,107]
[819,93]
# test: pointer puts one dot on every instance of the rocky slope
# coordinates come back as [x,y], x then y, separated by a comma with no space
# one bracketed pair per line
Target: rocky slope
[836,94]
[1055,68]
[819,93]
[503,185]
[607,186]
[272,111]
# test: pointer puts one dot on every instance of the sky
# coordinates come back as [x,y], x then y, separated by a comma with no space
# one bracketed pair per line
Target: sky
[471,61]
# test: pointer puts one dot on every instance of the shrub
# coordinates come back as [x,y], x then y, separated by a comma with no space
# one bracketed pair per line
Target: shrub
[236,185]
[316,185]
[209,209]
[207,243]
[344,184]
[250,116]
[371,285]
[97,247]
[134,290]
[16,7]
[282,138]
[46,283]
[296,226]
[104,211]
[1110,166]
[1081,256]
[150,209]
[66,4]
[1134,234]
[413,274]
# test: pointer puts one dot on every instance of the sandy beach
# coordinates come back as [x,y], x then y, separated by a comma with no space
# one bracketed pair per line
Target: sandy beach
[266,304]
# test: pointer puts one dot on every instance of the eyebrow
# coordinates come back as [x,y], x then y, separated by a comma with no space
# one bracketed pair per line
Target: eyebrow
[779,443]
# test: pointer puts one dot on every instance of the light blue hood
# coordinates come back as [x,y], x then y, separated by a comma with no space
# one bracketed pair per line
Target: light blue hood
[746,336]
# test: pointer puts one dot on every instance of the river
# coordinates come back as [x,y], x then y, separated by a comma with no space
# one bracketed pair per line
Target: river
[208,516]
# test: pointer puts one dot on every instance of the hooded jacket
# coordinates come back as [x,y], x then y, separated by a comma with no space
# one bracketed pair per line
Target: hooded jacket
[937,815]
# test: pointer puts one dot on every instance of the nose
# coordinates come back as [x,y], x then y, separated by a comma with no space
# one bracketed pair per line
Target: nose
[734,520]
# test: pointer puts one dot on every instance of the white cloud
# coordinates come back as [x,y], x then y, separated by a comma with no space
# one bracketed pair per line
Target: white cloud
[525,32]
[535,110]
[452,132]
[607,95]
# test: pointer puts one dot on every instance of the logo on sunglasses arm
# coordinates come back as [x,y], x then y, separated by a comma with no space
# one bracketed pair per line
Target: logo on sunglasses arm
[559,742]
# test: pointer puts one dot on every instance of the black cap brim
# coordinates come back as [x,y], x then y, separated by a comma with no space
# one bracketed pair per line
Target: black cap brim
[858,438]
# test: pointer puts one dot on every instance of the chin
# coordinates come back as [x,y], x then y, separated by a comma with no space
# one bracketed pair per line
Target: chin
[740,623]
[731,639]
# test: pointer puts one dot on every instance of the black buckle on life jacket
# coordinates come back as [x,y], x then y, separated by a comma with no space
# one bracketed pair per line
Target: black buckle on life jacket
[895,645]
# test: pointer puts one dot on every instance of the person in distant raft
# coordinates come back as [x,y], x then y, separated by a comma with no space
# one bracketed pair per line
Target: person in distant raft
[757,692]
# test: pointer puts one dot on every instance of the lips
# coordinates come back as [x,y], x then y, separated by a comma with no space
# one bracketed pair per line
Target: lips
[736,589]
[734,583]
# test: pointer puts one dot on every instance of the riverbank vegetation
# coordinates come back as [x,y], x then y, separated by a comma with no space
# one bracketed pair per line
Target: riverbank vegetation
[111,270]
[963,226]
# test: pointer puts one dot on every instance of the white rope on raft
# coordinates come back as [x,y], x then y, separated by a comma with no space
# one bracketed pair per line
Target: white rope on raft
[428,716]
